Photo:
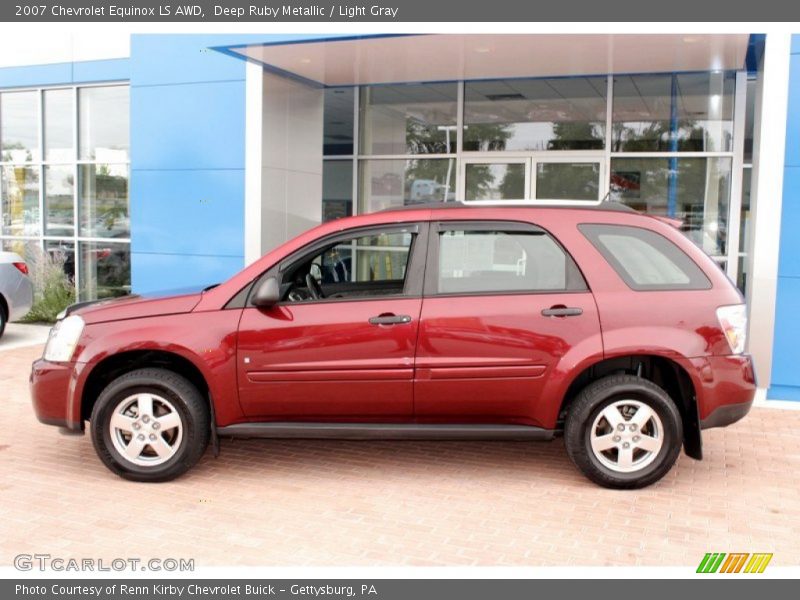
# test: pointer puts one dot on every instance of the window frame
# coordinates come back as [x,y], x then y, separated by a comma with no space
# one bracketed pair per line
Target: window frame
[412,287]
[695,283]
[431,288]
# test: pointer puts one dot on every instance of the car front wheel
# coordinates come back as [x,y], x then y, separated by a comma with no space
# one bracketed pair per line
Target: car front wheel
[150,425]
[623,432]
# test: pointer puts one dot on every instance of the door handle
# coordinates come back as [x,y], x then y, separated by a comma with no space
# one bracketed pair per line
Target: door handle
[562,311]
[389,319]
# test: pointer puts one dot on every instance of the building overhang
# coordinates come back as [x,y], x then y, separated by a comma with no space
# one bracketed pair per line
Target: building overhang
[348,61]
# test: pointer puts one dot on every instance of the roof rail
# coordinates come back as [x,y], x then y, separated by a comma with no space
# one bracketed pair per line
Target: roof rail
[603,206]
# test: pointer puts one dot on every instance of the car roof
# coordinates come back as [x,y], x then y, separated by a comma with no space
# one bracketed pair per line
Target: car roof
[603,206]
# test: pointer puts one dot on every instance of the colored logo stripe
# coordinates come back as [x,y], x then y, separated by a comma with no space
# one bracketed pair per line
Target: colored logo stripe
[713,562]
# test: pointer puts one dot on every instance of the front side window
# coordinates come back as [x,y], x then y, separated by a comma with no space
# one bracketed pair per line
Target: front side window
[644,259]
[371,265]
[487,261]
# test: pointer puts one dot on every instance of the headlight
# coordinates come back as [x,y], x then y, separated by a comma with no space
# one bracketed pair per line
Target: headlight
[733,320]
[63,338]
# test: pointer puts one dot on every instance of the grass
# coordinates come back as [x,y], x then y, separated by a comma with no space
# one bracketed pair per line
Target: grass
[53,289]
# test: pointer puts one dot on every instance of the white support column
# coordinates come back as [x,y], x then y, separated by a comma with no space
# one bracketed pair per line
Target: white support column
[254,93]
[767,190]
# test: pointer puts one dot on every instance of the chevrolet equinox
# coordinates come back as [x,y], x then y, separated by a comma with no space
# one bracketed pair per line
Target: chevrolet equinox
[600,324]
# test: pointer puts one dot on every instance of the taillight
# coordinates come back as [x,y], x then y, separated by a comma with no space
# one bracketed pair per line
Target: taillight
[733,320]
[22,267]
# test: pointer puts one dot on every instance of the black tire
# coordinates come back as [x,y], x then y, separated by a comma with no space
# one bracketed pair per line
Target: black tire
[593,399]
[188,403]
[3,317]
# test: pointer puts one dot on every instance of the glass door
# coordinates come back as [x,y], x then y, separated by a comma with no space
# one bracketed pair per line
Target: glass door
[563,179]
[494,180]
[567,179]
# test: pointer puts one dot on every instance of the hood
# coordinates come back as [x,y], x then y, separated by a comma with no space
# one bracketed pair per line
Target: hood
[135,306]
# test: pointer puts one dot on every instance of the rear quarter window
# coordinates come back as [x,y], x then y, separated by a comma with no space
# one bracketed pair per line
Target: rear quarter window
[644,259]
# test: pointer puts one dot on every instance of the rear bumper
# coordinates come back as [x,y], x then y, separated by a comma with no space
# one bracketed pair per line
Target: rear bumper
[728,387]
[52,388]
[726,415]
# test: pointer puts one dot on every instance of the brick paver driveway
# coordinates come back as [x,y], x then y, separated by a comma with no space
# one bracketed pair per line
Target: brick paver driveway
[392,503]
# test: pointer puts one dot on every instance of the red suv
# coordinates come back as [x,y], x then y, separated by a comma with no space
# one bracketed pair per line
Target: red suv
[601,324]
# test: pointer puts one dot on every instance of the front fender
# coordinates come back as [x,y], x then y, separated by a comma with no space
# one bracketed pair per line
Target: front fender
[207,340]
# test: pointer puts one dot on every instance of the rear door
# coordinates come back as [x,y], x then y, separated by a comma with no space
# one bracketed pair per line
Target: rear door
[503,303]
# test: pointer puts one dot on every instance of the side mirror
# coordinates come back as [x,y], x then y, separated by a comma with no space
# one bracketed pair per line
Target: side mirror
[267,293]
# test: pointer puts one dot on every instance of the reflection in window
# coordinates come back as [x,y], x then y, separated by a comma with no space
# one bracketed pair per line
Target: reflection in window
[58,119]
[337,189]
[409,119]
[338,121]
[494,181]
[105,269]
[535,114]
[568,181]
[390,183]
[104,123]
[749,120]
[497,261]
[19,126]
[745,232]
[64,253]
[695,190]
[19,200]
[670,113]
[58,200]
[103,201]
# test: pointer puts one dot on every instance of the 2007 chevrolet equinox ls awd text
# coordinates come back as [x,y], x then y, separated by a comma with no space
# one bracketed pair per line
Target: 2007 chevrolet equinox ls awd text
[451,322]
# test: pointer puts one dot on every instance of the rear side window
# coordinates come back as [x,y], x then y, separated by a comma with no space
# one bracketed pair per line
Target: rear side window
[645,260]
[487,261]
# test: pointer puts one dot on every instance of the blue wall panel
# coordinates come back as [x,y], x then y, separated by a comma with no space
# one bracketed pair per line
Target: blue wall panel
[785,379]
[167,272]
[188,126]
[204,205]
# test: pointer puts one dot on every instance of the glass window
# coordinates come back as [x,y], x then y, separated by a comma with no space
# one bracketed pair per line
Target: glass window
[19,126]
[63,252]
[644,259]
[494,181]
[105,269]
[409,119]
[501,261]
[103,119]
[680,112]
[749,120]
[391,183]
[59,115]
[103,201]
[535,114]
[338,121]
[364,266]
[337,189]
[695,190]
[27,249]
[19,200]
[59,183]
[568,181]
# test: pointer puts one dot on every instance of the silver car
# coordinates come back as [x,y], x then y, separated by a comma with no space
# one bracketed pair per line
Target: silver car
[16,290]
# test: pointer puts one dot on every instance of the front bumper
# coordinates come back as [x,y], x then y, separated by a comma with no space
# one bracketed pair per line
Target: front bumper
[53,389]
[726,415]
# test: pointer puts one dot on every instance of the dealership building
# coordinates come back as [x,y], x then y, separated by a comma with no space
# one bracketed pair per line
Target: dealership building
[154,162]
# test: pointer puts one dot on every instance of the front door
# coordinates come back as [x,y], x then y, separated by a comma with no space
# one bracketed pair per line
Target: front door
[340,345]
[503,304]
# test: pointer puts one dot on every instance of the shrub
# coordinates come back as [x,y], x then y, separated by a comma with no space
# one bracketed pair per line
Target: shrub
[53,289]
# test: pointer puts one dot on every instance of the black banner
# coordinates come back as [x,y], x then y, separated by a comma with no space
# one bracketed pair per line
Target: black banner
[256,11]
[386,589]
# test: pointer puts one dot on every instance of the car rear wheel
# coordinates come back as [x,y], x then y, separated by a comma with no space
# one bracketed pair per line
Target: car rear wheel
[623,432]
[2,318]
[150,425]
